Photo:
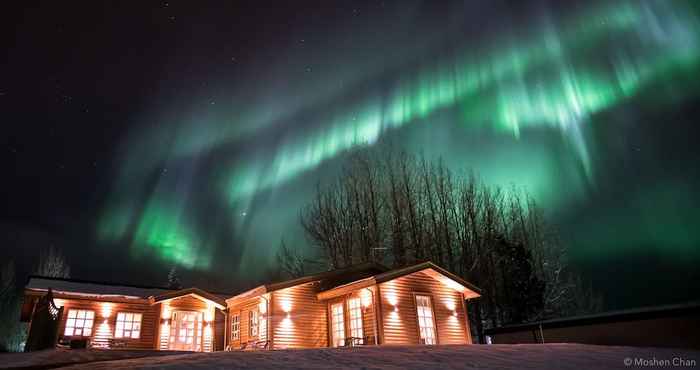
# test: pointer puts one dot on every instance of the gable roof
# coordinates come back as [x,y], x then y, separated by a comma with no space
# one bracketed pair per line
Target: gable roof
[195,292]
[328,279]
[453,281]
[87,289]
[93,289]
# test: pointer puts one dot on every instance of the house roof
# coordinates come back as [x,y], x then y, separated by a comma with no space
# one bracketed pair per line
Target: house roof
[85,288]
[467,289]
[106,290]
[328,280]
[195,292]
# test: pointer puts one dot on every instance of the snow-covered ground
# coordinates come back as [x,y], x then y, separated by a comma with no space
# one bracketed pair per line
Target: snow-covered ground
[524,356]
[62,357]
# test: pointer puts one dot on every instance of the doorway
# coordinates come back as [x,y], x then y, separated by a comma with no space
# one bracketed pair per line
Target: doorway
[186,331]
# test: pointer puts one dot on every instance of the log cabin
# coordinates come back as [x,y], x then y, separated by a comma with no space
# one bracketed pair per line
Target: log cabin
[365,304]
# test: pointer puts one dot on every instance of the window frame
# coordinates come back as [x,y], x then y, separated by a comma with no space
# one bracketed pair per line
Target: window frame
[131,331]
[75,319]
[358,309]
[337,328]
[237,327]
[434,319]
[253,322]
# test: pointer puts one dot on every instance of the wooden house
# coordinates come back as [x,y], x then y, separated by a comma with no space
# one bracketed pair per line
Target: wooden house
[360,305]
[121,316]
[365,304]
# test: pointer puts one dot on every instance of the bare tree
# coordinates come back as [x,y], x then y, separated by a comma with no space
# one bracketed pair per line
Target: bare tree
[7,280]
[419,209]
[290,261]
[12,331]
[52,263]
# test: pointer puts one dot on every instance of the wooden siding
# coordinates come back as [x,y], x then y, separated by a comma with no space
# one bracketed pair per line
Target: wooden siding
[398,310]
[243,308]
[188,303]
[298,319]
[368,308]
[103,327]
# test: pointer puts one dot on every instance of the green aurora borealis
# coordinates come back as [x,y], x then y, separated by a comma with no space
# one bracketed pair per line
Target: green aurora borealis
[523,107]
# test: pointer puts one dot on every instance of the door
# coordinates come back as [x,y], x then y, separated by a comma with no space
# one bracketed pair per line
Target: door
[338,325]
[426,322]
[186,333]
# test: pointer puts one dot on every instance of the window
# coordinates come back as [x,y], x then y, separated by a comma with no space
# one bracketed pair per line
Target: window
[426,324]
[128,325]
[338,325]
[253,320]
[235,327]
[355,311]
[79,323]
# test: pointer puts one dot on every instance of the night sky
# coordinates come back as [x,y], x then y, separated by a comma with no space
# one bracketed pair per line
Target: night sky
[139,135]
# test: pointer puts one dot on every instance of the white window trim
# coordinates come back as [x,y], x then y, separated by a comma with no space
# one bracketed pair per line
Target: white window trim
[433,327]
[124,321]
[74,320]
[338,327]
[236,329]
[253,323]
[355,318]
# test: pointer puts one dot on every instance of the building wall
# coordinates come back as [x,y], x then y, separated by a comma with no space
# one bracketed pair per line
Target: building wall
[189,303]
[242,309]
[657,332]
[298,319]
[366,297]
[105,322]
[398,310]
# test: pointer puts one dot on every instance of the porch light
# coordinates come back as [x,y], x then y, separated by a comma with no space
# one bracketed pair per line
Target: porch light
[106,310]
[366,297]
[166,311]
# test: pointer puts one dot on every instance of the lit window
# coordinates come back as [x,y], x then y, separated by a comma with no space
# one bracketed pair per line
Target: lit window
[426,324]
[355,311]
[236,327]
[79,323]
[338,324]
[253,320]
[128,325]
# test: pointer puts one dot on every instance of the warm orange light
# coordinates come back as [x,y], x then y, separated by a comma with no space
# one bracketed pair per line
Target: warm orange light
[262,306]
[286,305]
[106,310]
[166,312]
[209,313]
[366,297]
[59,302]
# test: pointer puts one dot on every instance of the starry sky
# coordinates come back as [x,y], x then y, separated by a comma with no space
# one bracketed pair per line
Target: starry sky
[142,135]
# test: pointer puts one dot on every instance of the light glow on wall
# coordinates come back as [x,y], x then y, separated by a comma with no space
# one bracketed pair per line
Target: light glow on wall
[366,297]
[166,312]
[286,306]
[164,335]
[106,310]
[209,313]
[58,302]
[102,335]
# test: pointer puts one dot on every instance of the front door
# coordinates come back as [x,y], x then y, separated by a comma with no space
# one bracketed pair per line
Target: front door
[338,325]
[186,333]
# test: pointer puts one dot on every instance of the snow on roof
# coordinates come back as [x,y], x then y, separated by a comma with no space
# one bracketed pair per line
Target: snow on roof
[92,289]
